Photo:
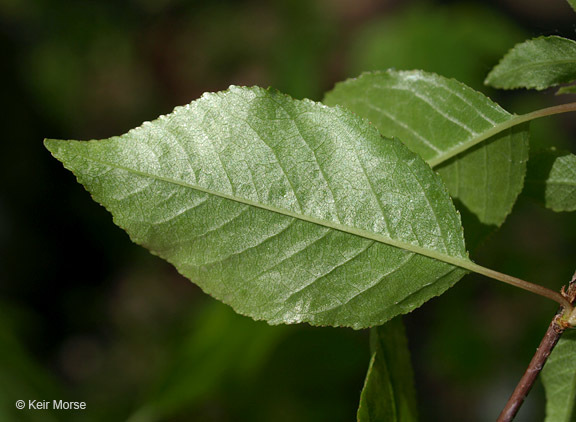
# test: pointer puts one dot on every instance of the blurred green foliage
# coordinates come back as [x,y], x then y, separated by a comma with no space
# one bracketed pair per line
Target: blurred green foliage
[20,375]
[86,315]
[452,41]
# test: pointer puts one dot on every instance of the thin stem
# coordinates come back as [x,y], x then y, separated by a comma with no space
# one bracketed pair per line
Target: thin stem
[549,111]
[514,121]
[555,330]
[514,281]
[523,284]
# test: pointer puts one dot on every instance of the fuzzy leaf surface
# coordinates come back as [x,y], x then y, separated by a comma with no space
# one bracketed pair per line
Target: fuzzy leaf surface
[559,380]
[389,393]
[434,116]
[538,63]
[289,211]
[552,180]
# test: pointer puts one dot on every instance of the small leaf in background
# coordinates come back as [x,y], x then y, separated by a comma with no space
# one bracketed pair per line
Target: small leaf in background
[287,210]
[559,379]
[388,393]
[433,116]
[551,179]
[572,4]
[538,63]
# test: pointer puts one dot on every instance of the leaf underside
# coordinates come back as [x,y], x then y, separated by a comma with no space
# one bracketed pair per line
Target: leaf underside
[287,210]
[552,180]
[489,177]
[538,63]
[559,380]
[389,393]
[433,116]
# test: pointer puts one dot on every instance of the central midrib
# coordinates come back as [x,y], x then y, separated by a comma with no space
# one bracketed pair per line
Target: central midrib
[457,261]
[514,120]
[464,146]
[543,63]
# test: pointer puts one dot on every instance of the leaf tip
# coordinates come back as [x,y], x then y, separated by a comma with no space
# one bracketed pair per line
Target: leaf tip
[53,145]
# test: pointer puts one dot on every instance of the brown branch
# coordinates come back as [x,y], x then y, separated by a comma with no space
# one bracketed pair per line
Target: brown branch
[550,339]
[555,330]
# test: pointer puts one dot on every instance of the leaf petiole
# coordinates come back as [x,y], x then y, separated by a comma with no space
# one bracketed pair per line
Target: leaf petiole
[523,284]
[549,111]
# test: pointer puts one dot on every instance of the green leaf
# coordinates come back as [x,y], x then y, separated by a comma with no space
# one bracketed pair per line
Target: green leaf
[537,63]
[572,4]
[287,210]
[559,379]
[443,120]
[552,179]
[488,178]
[388,393]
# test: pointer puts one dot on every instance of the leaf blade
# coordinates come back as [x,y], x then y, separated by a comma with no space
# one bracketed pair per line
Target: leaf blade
[438,117]
[538,63]
[552,180]
[276,204]
[388,393]
[489,177]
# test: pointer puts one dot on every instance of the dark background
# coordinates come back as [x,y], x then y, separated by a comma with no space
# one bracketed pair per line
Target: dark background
[86,315]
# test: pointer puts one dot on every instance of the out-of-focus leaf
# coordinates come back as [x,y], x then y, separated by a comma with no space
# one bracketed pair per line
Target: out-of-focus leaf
[552,179]
[572,3]
[416,38]
[434,117]
[296,63]
[23,378]
[538,63]
[287,210]
[559,379]
[388,393]
[221,346]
